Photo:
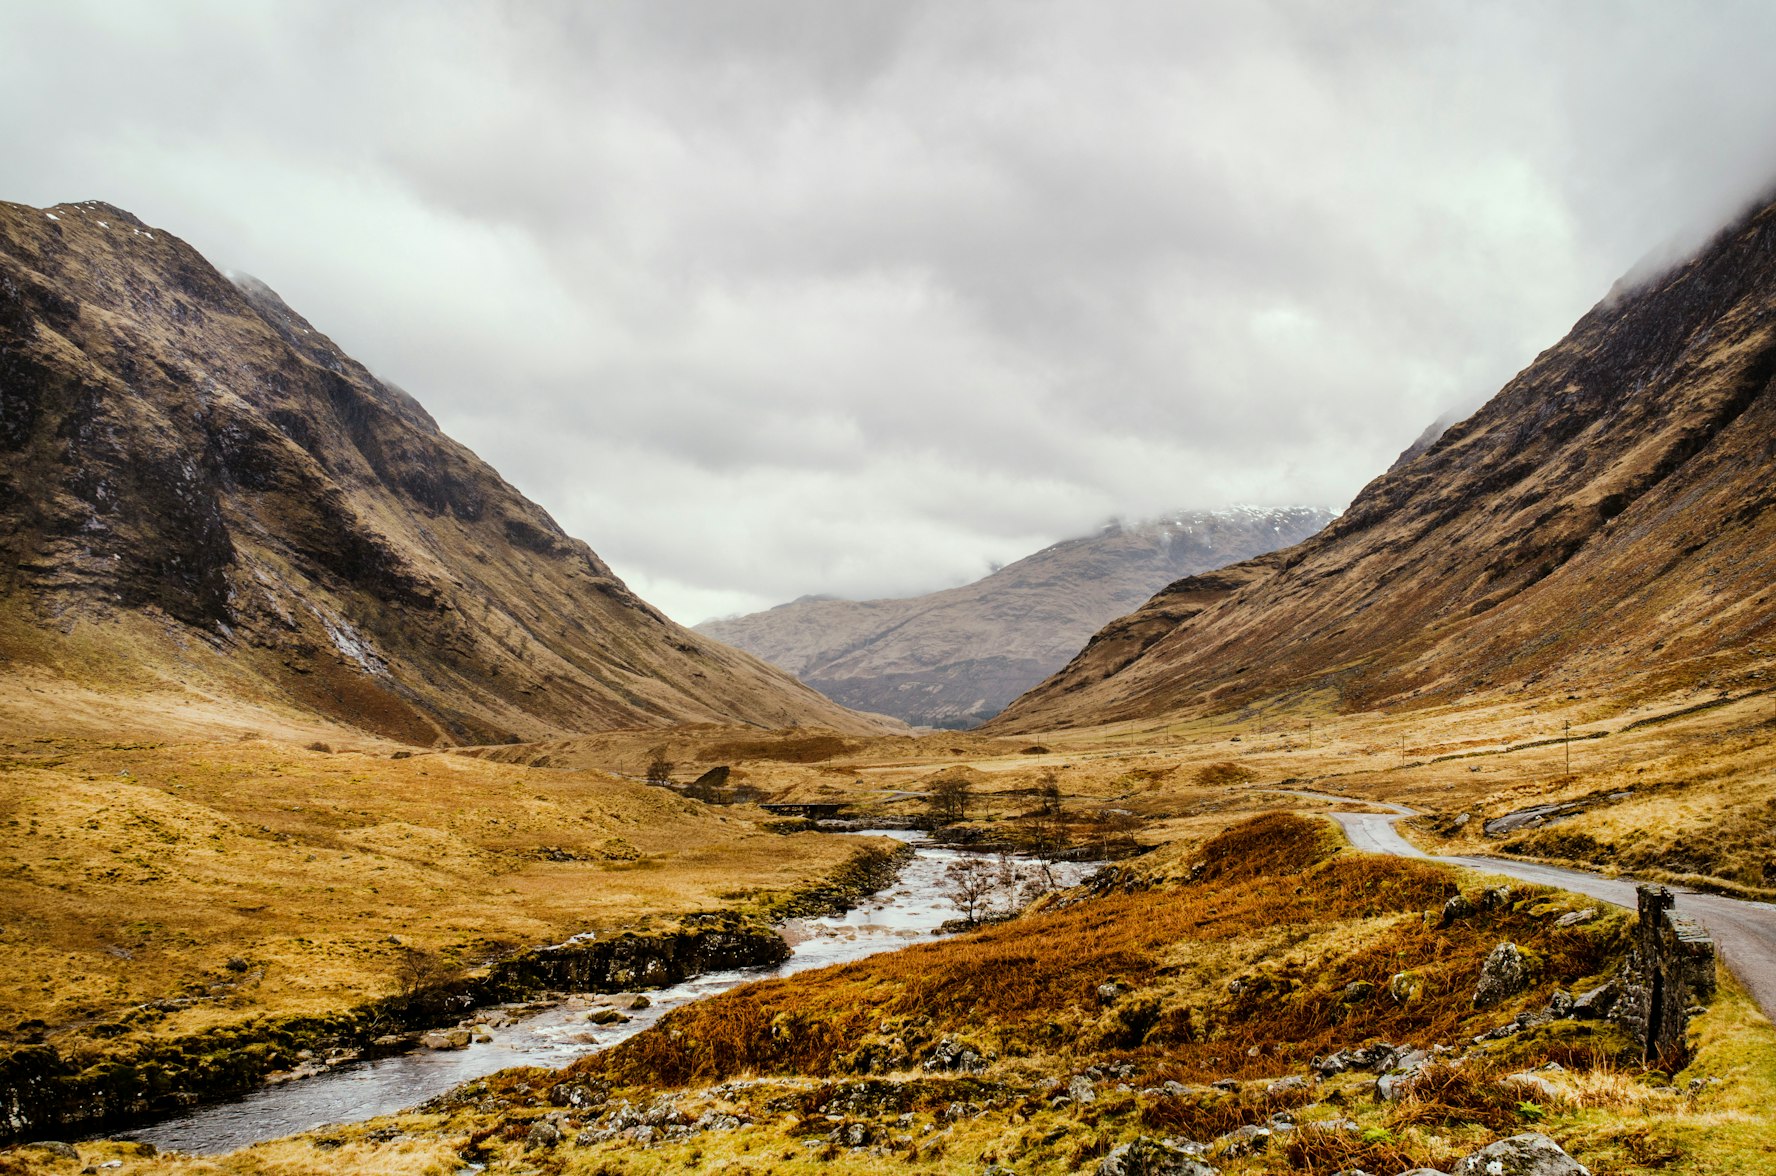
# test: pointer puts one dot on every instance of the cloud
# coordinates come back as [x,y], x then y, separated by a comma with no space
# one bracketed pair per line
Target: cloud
[773,298]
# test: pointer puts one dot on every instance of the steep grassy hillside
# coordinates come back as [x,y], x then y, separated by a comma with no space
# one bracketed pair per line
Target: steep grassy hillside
[1601,528]
[202,497]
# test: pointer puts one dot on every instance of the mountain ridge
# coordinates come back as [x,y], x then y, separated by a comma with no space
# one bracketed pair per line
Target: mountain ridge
[1583,532]
[956,656]
[195,468]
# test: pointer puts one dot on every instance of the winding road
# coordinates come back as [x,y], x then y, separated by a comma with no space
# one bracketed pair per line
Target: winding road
[1743,931]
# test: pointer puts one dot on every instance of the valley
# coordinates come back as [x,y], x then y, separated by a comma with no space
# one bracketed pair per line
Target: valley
[321,745]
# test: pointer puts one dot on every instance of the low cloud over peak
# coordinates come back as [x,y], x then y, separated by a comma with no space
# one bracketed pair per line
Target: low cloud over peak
[767,299]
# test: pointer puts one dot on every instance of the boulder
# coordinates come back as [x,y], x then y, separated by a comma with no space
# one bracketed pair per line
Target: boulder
[1393,1084]
[1080,1089]
[1574,918]
[1529,1154]
[1289,1085]
[1504,974]
[1495,898]
[542,1134]
[1456,909]
[1144,1156]
[1597,1002]
[1405,987]
[1244,1141]
[445,1039]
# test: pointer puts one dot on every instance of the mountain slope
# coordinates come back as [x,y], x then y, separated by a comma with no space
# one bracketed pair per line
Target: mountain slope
[1601,526]
[956,657]
[200,492]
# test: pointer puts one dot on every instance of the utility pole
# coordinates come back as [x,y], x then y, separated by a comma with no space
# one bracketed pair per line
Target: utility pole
[1569,747]
[1402,751]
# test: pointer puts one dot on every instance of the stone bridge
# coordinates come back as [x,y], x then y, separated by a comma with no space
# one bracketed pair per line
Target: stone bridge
[1670,970]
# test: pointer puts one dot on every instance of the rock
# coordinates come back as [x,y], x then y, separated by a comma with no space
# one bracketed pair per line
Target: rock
[1393,1084]
[1495,898]
[1535,1083]
[1424,1172]
[1405,987]
[1574,918]
[1461,822]
[1529,1154]
[445,1039]
[640,1002]
[1226,1084]
[1597,1002]
[1560,1006]
[1504,975]
[390,1041]
[1356,992]
[1456,909]
[60,1150]
[1080,1090]
[1244,1141]
[1289,1085]
[1145,1156]
[1107,993]
[1535,814]
[606,1017]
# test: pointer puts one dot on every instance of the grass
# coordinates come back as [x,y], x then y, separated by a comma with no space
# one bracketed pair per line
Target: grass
[1276,904]
[256,877]
[1241,975]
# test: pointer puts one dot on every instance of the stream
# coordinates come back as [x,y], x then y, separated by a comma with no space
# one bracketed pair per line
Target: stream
[908,912]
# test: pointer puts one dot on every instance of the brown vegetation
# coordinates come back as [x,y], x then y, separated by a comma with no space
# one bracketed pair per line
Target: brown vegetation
[1293,921]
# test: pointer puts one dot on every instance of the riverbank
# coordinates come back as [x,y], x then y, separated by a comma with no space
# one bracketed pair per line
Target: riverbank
[45,1091]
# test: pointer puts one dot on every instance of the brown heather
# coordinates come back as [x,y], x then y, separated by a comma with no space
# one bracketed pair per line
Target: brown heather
[1278,908]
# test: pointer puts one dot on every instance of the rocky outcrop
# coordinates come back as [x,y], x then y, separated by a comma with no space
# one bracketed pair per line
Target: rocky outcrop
[1505,973]
[1529,1154]
[1597,523]
[705,943]
[1670,972]
[957,657]
[191,470]
[1145,1156]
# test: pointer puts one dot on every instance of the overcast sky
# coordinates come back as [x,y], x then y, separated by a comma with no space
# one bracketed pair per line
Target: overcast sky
[764,299]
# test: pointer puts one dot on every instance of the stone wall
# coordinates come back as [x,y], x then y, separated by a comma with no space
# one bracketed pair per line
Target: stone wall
[1669,971]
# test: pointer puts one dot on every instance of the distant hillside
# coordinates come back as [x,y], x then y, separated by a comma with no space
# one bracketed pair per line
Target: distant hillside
[202,496]
[955,658]
[1602,527]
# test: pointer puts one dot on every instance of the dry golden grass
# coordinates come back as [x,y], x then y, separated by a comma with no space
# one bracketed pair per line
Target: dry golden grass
[138,871]
[1278,910]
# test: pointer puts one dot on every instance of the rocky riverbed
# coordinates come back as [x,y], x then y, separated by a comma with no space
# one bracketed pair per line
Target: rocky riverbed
[344,1084]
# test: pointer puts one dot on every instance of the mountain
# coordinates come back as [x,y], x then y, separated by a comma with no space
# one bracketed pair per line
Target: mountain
[956,657]
[1602,526]
[201,494]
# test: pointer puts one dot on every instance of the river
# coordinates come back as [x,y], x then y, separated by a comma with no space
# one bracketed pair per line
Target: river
[908,912]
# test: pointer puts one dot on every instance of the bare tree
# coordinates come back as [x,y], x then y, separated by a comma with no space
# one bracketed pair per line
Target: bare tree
[948,799]
[1116,829]
[969,883]
[659,771]
[418,970]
